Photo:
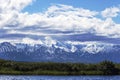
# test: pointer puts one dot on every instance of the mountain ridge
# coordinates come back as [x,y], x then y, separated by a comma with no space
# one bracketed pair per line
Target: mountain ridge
[60,51]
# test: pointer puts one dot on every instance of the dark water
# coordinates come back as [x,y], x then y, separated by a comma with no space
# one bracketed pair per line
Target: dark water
[2,77]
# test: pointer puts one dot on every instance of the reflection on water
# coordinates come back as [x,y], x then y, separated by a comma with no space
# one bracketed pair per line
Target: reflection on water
[2,77]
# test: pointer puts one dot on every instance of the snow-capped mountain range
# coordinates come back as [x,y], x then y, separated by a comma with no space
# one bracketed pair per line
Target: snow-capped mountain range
[56,51]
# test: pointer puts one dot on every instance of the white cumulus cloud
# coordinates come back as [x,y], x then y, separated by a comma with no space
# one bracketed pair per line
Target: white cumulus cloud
[111,12]
[57,17]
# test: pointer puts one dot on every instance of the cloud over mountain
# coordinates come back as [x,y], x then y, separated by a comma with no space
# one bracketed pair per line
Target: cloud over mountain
[57,20]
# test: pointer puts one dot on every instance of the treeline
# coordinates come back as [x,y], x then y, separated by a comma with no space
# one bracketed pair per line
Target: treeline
[49,68]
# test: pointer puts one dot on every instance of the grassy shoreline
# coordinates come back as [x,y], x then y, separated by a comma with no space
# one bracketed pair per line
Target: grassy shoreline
[58,69]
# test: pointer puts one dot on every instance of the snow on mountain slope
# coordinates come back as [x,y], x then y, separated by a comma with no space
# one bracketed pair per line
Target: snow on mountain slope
[52,50]
[90,47]
[6,47]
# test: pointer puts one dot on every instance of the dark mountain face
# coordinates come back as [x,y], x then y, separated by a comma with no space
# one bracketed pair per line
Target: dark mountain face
[91,52]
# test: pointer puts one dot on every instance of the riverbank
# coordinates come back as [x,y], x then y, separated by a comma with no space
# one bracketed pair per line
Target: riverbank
[50,68]
[58,73]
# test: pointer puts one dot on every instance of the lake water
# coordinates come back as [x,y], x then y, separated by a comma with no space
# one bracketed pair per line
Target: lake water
[2,77]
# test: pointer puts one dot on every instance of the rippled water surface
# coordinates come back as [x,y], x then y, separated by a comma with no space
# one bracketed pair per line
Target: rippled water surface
[2,77]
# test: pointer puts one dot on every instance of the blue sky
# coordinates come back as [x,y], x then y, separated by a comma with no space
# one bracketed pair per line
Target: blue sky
[97,5]
[62,20]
